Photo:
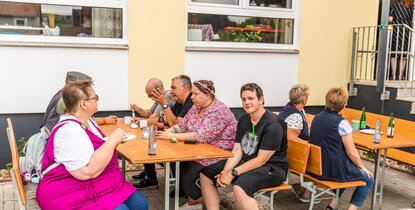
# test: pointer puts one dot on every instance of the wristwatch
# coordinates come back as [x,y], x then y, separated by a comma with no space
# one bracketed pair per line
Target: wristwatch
[235,173]
[166,105]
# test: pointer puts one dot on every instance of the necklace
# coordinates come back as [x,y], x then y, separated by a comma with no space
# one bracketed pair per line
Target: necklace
[207,105]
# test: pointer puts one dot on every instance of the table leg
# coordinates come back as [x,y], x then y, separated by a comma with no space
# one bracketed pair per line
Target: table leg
[177,186]
[123,166]
[375,176]
[382,178]
[167,186]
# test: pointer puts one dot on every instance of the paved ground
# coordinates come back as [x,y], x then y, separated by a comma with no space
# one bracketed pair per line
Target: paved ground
[399,193]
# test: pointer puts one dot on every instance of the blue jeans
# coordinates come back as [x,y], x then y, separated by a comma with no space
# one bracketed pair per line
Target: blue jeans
[360,193]
[136,201]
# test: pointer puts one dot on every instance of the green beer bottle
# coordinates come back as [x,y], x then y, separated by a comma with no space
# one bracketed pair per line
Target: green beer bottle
[391,127]
[362,124]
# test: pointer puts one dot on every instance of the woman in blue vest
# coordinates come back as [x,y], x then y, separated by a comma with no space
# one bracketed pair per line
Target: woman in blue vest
[293,115]
[340,160]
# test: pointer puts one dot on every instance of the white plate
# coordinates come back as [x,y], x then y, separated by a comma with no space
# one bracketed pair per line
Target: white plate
[369,131]
[133,125]
[129,136]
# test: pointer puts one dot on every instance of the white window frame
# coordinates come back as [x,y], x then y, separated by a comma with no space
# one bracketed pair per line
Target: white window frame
[22,19]
[67,41]
[243,9]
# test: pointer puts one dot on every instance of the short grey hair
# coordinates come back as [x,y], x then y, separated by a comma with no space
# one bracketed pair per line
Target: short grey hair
[299,93]
[184,80]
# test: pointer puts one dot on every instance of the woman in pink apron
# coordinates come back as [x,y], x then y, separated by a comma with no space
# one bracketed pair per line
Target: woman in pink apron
[80,161]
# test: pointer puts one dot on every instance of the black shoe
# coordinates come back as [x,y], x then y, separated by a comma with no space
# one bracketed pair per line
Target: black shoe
[147,184]
[181,193]
[141,175]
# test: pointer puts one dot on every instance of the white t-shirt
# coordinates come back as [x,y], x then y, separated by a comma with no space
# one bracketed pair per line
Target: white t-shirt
[72,146]
[295,121]
[345,128]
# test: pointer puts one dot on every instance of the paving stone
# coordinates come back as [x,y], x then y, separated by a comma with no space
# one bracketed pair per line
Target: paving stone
[9,205]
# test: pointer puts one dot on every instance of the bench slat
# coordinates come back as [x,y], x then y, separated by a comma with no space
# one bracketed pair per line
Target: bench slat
[298,153]
[401,156]
[283,186]
[334,185]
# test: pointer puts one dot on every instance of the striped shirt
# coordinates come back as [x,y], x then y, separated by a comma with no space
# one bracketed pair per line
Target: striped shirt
[345,128]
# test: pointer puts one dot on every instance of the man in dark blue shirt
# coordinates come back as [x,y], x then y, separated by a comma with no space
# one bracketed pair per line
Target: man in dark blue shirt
[181,87]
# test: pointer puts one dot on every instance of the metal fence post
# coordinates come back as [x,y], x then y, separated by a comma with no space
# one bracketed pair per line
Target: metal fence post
[352,90]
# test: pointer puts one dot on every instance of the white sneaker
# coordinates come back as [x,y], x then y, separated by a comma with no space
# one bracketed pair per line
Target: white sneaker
[186,206]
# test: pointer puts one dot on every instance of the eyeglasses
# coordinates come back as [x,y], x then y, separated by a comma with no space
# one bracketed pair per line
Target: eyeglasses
[94,98]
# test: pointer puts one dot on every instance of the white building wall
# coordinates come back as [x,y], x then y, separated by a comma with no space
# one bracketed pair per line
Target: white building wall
[30,76]
[274,72]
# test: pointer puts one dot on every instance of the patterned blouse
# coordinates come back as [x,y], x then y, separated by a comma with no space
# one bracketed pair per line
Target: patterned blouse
[217,126]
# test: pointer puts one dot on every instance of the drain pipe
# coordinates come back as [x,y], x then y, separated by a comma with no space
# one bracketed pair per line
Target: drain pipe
[411,53]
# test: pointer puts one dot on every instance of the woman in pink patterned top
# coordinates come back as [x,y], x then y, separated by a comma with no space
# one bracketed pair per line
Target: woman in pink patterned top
[208,121]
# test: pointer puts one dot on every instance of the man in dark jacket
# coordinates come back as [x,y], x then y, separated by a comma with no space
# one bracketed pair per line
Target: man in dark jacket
[56,106]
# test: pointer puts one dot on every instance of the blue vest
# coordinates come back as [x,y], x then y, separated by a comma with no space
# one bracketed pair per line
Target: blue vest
[337,166]
[291,109]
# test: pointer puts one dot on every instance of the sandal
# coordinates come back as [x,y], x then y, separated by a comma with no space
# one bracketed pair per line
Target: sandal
[297,190]
[329,207]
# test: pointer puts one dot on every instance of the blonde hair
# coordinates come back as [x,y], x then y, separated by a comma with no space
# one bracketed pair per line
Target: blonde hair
[336,99]
[299,93]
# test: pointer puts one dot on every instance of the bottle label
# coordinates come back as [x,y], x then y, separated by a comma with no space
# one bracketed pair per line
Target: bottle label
[377,138]
[390,132]
[160,126]
[362,125]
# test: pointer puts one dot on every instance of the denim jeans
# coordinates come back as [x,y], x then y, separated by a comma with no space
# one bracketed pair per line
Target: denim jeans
[136,201]
[360,193]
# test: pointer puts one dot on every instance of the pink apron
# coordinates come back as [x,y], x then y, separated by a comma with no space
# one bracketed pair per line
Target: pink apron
[60,190]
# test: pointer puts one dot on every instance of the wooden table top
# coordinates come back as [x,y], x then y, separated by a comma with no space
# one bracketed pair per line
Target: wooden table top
[398,141]
[135,151]
[402,137]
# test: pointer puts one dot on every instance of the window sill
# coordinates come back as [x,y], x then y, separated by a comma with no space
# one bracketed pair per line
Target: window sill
[241,47]
[62,42]
[64,45]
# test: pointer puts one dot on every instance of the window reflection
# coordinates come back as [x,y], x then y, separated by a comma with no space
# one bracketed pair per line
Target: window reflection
[226,28]
[60,20]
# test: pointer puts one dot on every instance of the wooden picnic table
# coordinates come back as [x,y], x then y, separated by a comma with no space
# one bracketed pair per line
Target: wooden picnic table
[404,137]
[136,151]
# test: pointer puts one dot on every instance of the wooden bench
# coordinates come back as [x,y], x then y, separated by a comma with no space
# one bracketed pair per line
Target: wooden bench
[15,171]
[402,127]
[319,187]
[298,153]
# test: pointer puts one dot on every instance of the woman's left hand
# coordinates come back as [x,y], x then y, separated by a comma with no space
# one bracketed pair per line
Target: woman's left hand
[226,178]
[163,135]
[367,172]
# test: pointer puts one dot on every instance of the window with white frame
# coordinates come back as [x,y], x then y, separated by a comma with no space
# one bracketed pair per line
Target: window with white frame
[62,21]
[236,23]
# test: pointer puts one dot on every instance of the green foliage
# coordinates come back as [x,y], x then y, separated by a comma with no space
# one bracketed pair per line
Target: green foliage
[369,155]
[20,146]
[246,36]
[9,166]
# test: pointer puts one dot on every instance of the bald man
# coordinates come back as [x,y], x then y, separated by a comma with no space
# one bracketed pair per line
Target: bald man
[152,114]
